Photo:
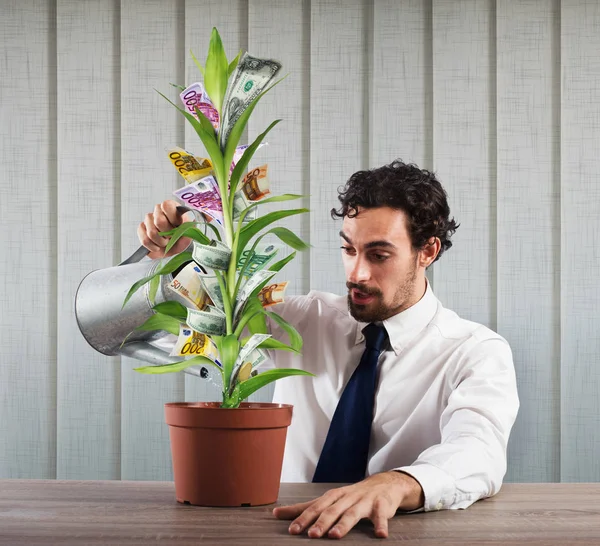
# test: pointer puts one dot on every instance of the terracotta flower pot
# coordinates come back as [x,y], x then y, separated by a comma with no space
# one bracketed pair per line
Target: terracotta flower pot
[227,457]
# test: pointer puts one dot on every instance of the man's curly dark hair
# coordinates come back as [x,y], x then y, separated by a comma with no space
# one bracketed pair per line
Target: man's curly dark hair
[417,192]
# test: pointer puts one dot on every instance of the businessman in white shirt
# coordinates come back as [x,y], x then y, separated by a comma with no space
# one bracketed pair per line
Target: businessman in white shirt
[443,397]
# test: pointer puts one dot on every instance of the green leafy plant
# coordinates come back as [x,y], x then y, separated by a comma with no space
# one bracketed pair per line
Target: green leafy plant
[244,314]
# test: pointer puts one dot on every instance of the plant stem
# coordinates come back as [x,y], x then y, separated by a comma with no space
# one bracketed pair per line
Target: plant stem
[226,303]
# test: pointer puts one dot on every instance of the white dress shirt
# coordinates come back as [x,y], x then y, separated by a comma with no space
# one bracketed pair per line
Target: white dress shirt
[445,402]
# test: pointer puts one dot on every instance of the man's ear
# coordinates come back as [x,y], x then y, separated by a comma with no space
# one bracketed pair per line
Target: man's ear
[429,252]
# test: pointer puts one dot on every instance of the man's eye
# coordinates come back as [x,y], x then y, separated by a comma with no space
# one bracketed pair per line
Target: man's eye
[347,249]
[380,257]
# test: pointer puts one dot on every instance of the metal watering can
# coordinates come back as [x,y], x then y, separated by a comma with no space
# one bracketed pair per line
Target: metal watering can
[105,323]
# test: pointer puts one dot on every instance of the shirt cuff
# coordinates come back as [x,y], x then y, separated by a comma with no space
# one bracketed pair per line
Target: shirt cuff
[438,487]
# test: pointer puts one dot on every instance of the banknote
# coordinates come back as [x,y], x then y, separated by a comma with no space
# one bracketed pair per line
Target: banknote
[190,167]
[191,343]
[215,256]
[210,321]
[249,358]
[249,347]
[187,284]
[249,287]
[195,96]
[203,195]
[254,187]
[239,152]
[211,286]
[250,78]
[272,294]
[255,260]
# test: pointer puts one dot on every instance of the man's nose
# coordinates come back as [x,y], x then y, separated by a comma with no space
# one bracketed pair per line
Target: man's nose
[360,271]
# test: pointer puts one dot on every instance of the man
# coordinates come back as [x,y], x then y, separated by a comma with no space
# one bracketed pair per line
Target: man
[443,399]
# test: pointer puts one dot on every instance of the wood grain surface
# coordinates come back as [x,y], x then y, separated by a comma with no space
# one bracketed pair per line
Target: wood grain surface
[36,512]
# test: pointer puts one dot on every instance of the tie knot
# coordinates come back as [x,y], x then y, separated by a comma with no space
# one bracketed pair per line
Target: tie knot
[375,336]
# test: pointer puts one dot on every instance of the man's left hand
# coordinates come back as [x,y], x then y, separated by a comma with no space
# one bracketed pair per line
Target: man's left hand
[339,510]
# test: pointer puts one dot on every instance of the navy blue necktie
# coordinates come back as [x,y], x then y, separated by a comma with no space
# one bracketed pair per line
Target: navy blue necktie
[346,451]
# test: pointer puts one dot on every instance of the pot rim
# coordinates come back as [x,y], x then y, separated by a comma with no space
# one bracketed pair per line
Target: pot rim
[216,406]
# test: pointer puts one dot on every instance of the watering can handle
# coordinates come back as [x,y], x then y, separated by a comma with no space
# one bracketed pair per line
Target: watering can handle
[142,252]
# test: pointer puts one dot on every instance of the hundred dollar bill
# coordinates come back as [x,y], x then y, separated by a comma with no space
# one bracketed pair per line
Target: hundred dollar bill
[190,167]
[203,195]
[247,349]
[195,96]
[211,322]
[215,256]
[254,187]
[211,286]
[273,294]
[255,260]
[191,343]
[249,287]
[250,78]
[249,359]
[187,284]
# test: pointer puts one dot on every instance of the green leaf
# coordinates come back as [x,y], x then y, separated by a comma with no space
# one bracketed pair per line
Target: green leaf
[278,266]
[271,343]
[259,381]
[242,164]
[200,67]
[215,72]
[278,198]
[153,289]
[237,130]
[257,324]
[176,86]
[187,229]
[233,64]
[205,122]
[255,226]
[208,138]
[229,350]
[159,321]
[289,238]
[253,316]
[173,309]
[173,264]
[178,366]
[295,337]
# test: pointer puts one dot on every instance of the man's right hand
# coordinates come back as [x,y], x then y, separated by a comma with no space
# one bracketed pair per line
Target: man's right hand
[164,218]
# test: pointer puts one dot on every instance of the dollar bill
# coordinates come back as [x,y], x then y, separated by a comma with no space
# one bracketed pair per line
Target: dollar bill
[249,358]
[203,195]
[254,187]
[255,260]
[273,294]
[195,96]
[190,167]
[249,347]
[250,78]
[187,284]
[211,286]
[191,343]
[210,322]
[215,256]
[249,287]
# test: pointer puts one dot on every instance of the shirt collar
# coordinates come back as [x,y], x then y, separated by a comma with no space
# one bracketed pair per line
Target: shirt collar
[404,326]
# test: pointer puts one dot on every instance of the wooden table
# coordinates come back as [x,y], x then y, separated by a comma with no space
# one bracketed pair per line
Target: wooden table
[36,512]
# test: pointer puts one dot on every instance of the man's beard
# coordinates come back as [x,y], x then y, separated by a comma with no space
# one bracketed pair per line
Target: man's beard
[377,310]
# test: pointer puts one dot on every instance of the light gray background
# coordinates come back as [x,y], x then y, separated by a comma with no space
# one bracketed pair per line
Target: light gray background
[501,98]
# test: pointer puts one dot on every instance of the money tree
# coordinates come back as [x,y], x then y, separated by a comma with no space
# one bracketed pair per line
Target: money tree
[224,286]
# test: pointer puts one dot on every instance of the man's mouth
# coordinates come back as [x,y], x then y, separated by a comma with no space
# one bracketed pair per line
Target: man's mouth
[361,298]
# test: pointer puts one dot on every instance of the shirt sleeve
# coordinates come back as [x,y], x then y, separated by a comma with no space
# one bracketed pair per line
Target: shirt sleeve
[470,461]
